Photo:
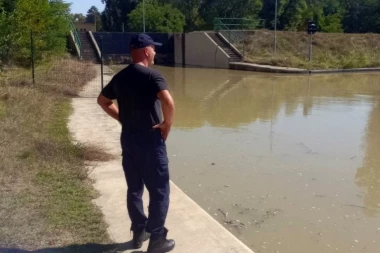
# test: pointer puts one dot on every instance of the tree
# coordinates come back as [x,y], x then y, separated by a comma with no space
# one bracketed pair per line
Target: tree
[116,13]
[293,17]
[211,9]
[8,5]
[58,27]
[268,12]
[7,8]
[189,8]
[78,17]
[5,29]
[294,14]
[332,24]
[158,18]
[361,16]
[328,15]
[48,22]
[93,16]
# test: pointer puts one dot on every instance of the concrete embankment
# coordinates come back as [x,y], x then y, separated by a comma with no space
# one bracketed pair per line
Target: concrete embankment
[276,69]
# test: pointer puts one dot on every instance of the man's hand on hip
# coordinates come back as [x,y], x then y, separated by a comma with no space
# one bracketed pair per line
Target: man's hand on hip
[164,128]
[168,111]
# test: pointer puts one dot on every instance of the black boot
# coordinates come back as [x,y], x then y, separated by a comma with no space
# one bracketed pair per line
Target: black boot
[161,244]
[139,237]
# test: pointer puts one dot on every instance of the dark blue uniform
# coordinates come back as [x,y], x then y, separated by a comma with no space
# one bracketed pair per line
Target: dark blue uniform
[145,159]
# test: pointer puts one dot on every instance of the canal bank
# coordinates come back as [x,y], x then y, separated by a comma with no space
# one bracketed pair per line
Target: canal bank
[205,49]
[213,50]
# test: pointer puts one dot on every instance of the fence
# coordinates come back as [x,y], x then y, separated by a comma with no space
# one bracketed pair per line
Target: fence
[35,65]
[233,31]
[238,24]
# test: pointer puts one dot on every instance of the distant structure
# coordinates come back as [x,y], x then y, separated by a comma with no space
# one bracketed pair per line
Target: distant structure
[83,26]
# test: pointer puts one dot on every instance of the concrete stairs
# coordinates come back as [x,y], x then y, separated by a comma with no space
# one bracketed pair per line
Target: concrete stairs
[88,52]
[234,57]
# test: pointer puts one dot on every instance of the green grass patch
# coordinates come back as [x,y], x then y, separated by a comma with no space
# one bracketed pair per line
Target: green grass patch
[330,50]
[45,193]
[58,126]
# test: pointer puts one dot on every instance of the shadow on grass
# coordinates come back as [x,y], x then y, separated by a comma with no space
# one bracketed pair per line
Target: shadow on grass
[90,248]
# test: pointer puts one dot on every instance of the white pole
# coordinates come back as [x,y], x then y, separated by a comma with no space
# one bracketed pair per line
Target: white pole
[310,47]
[144,14]
[275,30]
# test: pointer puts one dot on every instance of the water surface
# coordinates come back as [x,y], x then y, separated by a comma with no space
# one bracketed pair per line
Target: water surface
[288,164]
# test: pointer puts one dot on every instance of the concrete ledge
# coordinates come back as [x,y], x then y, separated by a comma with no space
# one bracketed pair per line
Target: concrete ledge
[266,68]
[331,71]
[95,45]
[73,44]
[277,69]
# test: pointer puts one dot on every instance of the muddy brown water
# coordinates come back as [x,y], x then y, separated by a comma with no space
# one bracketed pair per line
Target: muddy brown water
[288,164]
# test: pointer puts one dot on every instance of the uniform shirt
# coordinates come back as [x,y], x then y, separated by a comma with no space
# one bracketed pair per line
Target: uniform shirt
[135,88]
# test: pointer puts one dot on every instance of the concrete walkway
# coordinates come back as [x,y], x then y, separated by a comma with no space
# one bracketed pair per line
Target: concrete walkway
[193,229]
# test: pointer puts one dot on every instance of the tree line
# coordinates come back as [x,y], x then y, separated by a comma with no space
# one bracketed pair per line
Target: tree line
[350,16]
[47,19]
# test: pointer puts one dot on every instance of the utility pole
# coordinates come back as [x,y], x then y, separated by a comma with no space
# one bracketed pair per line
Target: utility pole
[310,47]
[275,28]
[95,20]
[144,15]
[311,29]
[32,55]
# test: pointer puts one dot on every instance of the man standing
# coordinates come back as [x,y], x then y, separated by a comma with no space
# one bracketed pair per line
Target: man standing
[141,93]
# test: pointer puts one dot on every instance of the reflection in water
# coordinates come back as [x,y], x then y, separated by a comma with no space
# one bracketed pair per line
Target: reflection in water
[230,99]
[369,175]
[287,156]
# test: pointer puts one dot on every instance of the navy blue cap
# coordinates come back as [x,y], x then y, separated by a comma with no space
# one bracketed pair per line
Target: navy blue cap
[142,40]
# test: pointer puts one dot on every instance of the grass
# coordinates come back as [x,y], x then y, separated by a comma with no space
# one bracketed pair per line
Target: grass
[45,194]
[330,50]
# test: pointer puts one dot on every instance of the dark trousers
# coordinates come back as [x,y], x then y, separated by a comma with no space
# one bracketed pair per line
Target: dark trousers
[145,162]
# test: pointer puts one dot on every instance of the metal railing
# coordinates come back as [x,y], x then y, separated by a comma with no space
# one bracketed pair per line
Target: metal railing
[232,35]
[75,32]
[239,23]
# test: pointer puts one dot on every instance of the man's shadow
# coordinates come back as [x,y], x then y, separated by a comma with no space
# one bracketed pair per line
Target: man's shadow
[85,248]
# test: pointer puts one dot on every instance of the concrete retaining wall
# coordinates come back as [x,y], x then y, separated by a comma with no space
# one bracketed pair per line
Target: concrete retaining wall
[75,49]
[178,48]
[95,44]
[115,46]
[202,51]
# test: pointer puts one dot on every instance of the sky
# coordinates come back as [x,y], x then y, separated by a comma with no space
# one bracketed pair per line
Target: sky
[82,6]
